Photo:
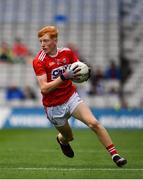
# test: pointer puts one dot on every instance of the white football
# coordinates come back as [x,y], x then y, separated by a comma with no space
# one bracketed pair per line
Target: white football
[84,72]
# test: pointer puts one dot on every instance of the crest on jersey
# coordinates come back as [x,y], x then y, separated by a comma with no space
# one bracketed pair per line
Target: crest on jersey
[59,61]
[64,60]
[51,63]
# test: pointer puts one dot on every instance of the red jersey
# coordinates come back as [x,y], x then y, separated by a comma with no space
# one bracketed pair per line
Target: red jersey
[53,67]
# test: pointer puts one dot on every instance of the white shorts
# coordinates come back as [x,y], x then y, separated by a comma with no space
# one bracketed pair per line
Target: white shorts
[58,115]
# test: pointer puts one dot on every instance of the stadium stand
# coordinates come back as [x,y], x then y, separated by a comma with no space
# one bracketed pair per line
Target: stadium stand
[93,26]
[84,26]
[132,29]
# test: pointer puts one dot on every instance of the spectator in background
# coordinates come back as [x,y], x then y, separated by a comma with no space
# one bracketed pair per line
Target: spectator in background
[95,80]
[113,75]
[5,53]
[124,103]
[29,93]
[20,51]
[113,71]
[14,93]
[126,69]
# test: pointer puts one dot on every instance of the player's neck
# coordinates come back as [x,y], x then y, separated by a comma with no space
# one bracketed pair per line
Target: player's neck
[53,53]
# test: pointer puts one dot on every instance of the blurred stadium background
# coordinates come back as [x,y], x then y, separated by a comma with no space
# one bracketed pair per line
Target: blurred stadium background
[104,33]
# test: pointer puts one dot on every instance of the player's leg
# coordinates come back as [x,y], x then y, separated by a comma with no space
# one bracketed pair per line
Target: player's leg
[84,114]
[58,116]
[65,135]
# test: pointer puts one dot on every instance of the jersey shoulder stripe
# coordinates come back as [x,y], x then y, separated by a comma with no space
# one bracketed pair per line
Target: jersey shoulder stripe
[41,56]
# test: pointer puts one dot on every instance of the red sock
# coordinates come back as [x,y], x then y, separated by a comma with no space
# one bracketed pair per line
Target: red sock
[111,149]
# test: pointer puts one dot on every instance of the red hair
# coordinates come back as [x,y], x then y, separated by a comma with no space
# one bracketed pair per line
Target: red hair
[50,30]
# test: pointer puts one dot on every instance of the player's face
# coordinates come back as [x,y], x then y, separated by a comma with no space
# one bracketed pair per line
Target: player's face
[49,45]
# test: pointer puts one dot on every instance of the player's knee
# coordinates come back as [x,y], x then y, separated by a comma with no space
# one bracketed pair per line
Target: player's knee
[95,125]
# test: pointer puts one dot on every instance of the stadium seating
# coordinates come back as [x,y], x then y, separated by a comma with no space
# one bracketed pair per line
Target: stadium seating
[133,42]
[80,22]
[93,26]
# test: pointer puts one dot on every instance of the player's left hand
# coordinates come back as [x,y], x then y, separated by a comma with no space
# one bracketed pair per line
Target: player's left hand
[70,73]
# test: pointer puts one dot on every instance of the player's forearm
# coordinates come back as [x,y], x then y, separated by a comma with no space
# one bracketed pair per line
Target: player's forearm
[50,86]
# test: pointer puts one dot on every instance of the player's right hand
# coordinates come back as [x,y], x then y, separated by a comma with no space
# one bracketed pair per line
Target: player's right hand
[70,73]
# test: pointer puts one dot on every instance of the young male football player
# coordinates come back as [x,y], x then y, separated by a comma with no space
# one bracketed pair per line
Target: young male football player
[60,98]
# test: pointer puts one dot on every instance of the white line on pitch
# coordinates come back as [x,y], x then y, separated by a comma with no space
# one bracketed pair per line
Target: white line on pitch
[73,169]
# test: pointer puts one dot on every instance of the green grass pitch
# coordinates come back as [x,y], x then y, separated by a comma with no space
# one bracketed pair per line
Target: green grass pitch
[34,153]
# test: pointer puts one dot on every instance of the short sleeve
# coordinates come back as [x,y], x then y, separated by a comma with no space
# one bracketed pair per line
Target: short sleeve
[38,67]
